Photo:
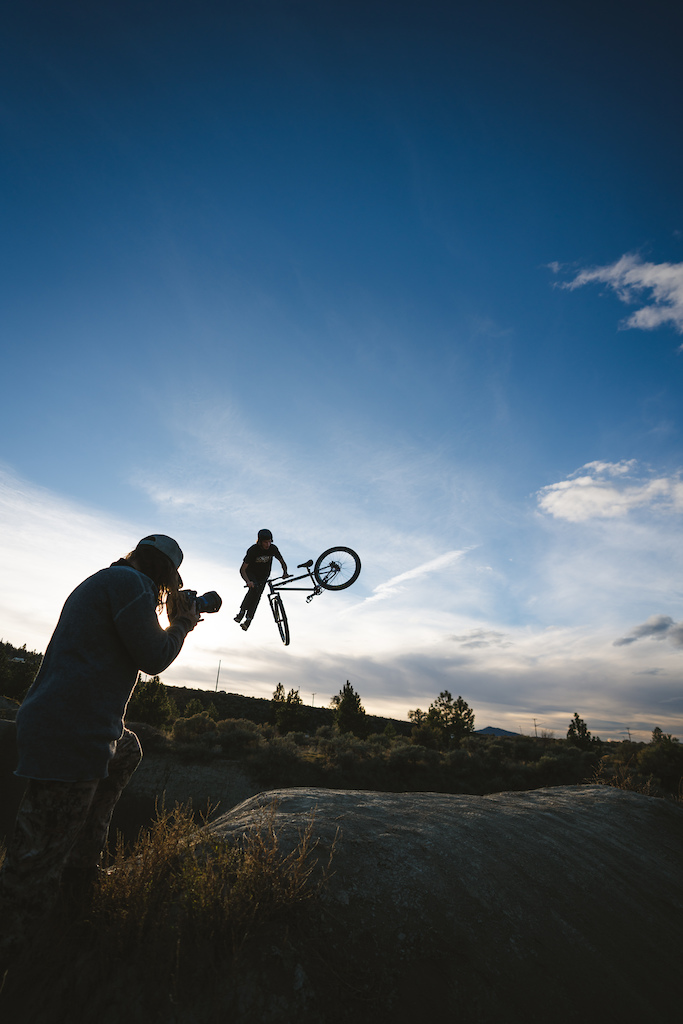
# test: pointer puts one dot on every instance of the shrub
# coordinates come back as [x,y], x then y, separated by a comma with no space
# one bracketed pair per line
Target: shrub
[276,763]
[190,728]
[663,759]
[236,736]
[170,917]
[151,739]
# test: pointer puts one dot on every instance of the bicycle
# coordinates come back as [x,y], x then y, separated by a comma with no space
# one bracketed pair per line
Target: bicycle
[335,569]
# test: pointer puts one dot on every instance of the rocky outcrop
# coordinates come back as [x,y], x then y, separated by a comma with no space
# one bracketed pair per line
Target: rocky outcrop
[562,904]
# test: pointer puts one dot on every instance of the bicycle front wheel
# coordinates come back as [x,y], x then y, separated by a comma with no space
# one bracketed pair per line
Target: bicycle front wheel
[280,616]
[337,568]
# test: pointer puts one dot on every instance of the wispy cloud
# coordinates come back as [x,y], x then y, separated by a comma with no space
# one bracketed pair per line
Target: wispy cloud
[482,638]
[657,627]
[634,280]
[397,583]
[609,490]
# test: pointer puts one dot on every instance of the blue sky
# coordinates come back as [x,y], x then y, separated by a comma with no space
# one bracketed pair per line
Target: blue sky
[405,277]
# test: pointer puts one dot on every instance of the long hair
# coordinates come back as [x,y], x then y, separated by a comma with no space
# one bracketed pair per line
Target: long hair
[160,570]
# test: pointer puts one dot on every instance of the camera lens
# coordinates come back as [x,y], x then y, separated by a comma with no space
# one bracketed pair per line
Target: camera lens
[209,602]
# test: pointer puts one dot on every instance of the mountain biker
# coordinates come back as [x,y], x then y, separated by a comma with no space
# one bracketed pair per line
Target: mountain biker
[255,570]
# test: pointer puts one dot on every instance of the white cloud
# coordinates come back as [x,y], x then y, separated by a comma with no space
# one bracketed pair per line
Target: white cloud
[609,490]
[632,279]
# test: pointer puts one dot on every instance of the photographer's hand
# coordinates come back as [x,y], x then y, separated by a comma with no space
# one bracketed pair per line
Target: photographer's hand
[184,611]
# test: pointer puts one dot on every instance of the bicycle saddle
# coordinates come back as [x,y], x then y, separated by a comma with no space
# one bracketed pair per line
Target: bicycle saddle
[306,565]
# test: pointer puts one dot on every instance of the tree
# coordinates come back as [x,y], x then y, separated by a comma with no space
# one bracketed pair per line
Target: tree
[193,707]
[279,694]
[578,733]
[289,714]
[349,713]
[276,701]
[452,718]
[662,737]
[18,669]
[417,717]
[151,703]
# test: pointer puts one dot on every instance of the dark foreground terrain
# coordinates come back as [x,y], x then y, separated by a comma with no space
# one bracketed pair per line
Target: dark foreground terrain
[560,904]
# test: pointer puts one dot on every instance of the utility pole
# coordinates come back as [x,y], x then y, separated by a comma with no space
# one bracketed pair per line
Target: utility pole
[313,700]
[535,729]
[217,675]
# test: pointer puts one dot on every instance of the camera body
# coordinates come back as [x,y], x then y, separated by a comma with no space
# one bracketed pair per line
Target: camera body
[209,602]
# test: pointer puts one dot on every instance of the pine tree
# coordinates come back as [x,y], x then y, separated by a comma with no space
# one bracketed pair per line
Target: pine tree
[349,713]
[451,717]
[151,703]
[289,714]
[578,733]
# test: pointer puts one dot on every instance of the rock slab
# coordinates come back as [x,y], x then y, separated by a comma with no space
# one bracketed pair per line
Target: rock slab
[562,904]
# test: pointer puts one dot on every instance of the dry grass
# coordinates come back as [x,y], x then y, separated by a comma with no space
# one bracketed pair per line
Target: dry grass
[186,881]
[171,914]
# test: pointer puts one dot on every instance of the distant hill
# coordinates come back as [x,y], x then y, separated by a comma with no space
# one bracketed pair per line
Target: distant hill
[492,730]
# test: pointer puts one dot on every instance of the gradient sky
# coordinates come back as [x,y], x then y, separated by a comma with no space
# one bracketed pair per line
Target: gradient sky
[406,277]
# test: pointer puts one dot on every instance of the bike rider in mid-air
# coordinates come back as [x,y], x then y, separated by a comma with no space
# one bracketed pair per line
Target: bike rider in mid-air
[255,570]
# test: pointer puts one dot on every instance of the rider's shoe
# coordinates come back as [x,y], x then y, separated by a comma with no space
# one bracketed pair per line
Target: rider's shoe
[246,624]
[238,617]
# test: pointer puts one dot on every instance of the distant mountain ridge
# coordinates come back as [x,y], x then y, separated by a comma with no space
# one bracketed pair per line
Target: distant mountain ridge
[492,730]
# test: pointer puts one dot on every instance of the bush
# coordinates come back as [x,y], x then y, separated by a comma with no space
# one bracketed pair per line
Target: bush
[277,762]
[190,728]
[151,740]
[237,736]
[663,759]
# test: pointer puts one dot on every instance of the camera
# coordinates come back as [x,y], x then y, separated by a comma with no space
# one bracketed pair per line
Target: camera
[209,602]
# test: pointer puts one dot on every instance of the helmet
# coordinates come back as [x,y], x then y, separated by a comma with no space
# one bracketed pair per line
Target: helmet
[265,535]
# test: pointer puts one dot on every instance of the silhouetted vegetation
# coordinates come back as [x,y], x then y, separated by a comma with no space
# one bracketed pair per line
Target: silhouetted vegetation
[349,713]
[446,723]
[185,702]
[283,742]
[392,763]
[578,733]
[18,668]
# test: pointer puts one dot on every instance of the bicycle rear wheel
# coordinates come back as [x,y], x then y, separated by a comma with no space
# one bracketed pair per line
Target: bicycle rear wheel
[337,568]
[280,616]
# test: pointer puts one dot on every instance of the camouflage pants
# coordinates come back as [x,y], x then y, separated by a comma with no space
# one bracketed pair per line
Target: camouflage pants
[60,827]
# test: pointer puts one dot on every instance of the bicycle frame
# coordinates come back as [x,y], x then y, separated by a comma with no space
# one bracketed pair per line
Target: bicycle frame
[282,582]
